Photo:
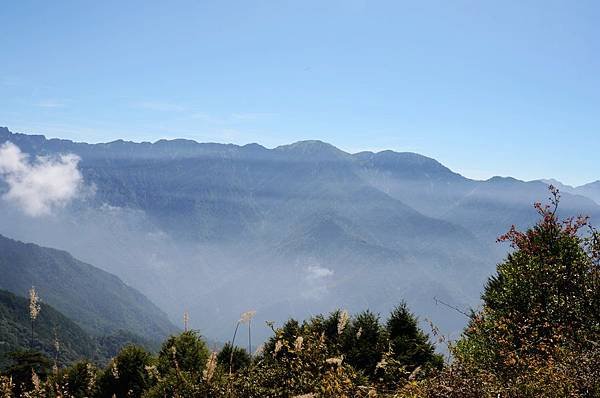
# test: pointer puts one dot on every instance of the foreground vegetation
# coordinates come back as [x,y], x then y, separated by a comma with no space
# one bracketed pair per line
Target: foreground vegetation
[536,335]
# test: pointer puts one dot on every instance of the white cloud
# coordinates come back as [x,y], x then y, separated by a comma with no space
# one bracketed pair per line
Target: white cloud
[316,282]
[40,185]
[318,272]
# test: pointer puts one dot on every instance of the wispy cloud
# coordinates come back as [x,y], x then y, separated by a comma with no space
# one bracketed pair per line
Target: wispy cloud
[40,185]
[232,118]
[190,111]
[11,81]
[159,106]
[51,103]
[205,117]
[252,115]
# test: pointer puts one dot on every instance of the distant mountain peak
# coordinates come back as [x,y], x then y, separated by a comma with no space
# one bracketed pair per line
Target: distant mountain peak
[313,149]
[557,184]
[308,145]
[254,146]
[501,179]
[182,141]
[405,163]
[591,184]
[415,157]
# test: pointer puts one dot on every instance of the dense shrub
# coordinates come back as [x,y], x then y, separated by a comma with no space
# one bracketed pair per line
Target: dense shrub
[537,334]
[186,351]
[24,364]
[78,380]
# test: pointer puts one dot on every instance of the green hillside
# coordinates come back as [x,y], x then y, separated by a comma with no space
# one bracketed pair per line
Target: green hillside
[97,301]
[15,331]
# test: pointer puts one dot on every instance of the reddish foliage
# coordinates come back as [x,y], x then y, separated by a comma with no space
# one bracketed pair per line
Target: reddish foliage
[526,241]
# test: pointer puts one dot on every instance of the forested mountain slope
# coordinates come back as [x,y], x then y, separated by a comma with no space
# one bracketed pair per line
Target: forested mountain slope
[97,301]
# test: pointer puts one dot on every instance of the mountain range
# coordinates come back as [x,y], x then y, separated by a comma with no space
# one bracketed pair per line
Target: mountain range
[218,229]
[591,190]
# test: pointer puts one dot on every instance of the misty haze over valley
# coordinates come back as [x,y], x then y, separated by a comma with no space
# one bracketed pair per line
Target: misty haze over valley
[218,229]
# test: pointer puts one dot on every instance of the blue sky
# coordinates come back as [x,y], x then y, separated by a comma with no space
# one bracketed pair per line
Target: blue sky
[486,87]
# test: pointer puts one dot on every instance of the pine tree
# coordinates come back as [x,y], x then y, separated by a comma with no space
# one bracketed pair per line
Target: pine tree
[409,345]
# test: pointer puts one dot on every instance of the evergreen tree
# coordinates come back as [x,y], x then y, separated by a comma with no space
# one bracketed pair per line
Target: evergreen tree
[78,380]
[364,342]
[409,345]
[127,374]
[241,358]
